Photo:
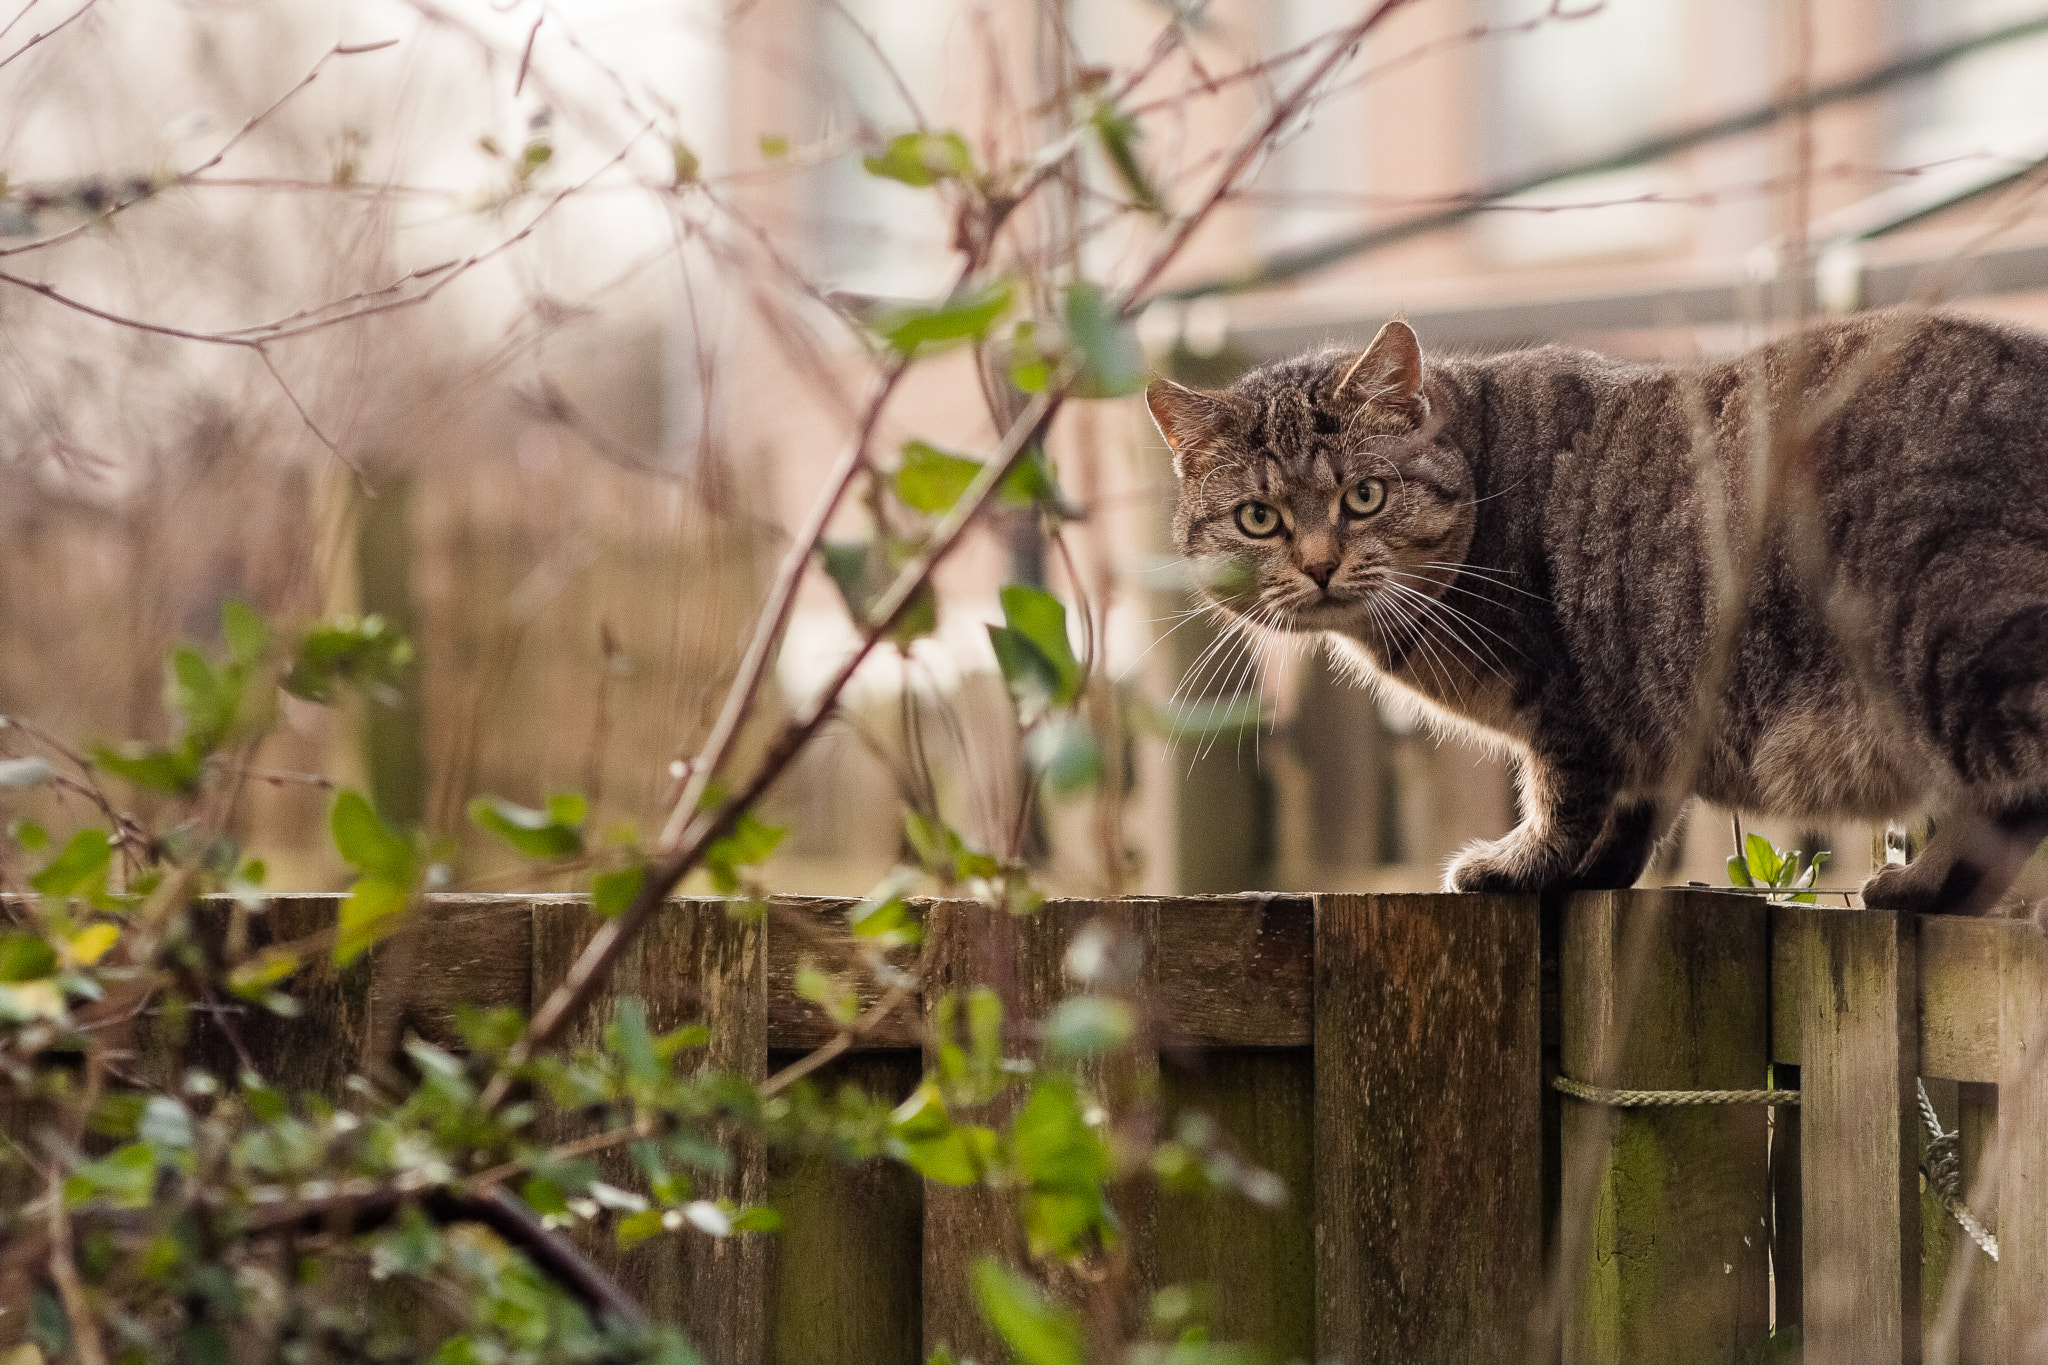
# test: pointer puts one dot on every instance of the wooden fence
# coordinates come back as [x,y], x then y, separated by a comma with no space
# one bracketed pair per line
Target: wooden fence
[1392,1059]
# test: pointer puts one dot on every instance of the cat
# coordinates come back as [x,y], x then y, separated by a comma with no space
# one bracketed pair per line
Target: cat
[1529,547]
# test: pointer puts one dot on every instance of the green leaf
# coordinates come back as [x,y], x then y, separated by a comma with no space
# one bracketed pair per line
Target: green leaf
[931,480]
[1111,363]
[750,842]
[1038,617]
[538,834]
[366,843]
[636,1228]
[859,569]
[966,316]
[1030,368]
[30,834]
[934,1146]
[366,653]
[205,699]
[1037,1331]
[371,913]
[248,638]
[612,892]
[1118,134]
[25,772]
[1738,872]
[26,957]
[79,869]
[1066,755]
[124,1178]
[685,163]
[635,1045]
[1762,857]
[1090,1025]
[173,771]
[759,1218]
[922,159]
[774,146]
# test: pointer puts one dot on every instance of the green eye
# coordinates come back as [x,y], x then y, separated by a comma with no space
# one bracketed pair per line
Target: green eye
[1257,520]
[1365,497]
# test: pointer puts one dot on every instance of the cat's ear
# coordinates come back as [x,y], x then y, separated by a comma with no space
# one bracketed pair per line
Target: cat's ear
[1186,417]
[1389,372]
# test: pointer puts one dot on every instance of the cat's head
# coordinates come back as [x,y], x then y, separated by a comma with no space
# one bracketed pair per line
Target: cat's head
[1315,492]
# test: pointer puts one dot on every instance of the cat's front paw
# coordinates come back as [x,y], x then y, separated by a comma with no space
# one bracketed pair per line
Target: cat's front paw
[1514,865]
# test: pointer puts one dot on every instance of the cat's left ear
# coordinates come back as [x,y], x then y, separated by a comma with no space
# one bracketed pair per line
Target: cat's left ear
[1187,418]
[1389,372]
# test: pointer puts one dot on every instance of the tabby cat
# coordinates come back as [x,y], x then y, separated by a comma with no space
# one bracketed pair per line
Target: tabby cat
[1532,548]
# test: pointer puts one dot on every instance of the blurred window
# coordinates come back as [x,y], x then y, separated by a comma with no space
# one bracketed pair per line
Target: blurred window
[1566,90]
[1314,183]
[874,235]
[1988,105]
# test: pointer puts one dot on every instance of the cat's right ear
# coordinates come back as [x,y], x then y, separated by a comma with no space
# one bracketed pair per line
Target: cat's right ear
[1186,417]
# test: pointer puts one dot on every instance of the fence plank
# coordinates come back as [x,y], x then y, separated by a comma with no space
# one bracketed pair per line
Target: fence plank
[2022,1297]
[1428,1126]
[692,962]
[970,944]
[1237,971]
[1665,991]
[457,950]
[1857,996]
[845,1269]
[1259,1266]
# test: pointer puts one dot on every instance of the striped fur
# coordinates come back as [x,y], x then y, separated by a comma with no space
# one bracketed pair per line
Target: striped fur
[1552,567]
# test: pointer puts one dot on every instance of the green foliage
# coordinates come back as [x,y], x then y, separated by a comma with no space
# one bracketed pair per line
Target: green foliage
[918,330]
[1037,1331]
[1117,133]
[347,651]
[1033,651]
[863,570]
[389,869]
[931,479]
[1106,348]
[923,159]
[542,835]
[749,843]
[1761,865]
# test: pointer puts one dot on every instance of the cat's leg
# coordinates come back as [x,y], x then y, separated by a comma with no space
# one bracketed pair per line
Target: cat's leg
[1634,827]
[1566,798]
[1967,865]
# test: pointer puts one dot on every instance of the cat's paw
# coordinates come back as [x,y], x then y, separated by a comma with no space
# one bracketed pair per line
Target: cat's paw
[1896,888]
[1511,865]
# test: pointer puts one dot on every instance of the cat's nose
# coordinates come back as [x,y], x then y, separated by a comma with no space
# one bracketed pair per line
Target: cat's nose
[1320,571]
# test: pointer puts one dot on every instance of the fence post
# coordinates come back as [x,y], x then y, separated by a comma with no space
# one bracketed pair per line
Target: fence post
[693,961]
[1857,994]
[2022,1294]
[1665,1210]
[1428,1126]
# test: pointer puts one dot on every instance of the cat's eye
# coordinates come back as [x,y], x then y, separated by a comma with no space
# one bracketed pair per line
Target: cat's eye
[1257,520]
[1365,497]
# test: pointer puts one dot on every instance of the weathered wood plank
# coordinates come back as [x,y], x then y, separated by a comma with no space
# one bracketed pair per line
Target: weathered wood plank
[1233,971]
[1788,1227]
[2022,1297]
[1428,1113]
[457,950]
[1959,969]
[969,944]
[845,1272]
[1259,1266]
[1665,991]
[1237,971]
[797,1024]
[312,1052]
[1856,995]
[1977,1339]
[692,962]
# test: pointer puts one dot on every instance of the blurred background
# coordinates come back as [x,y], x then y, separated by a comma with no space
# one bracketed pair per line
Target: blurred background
[528,331]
